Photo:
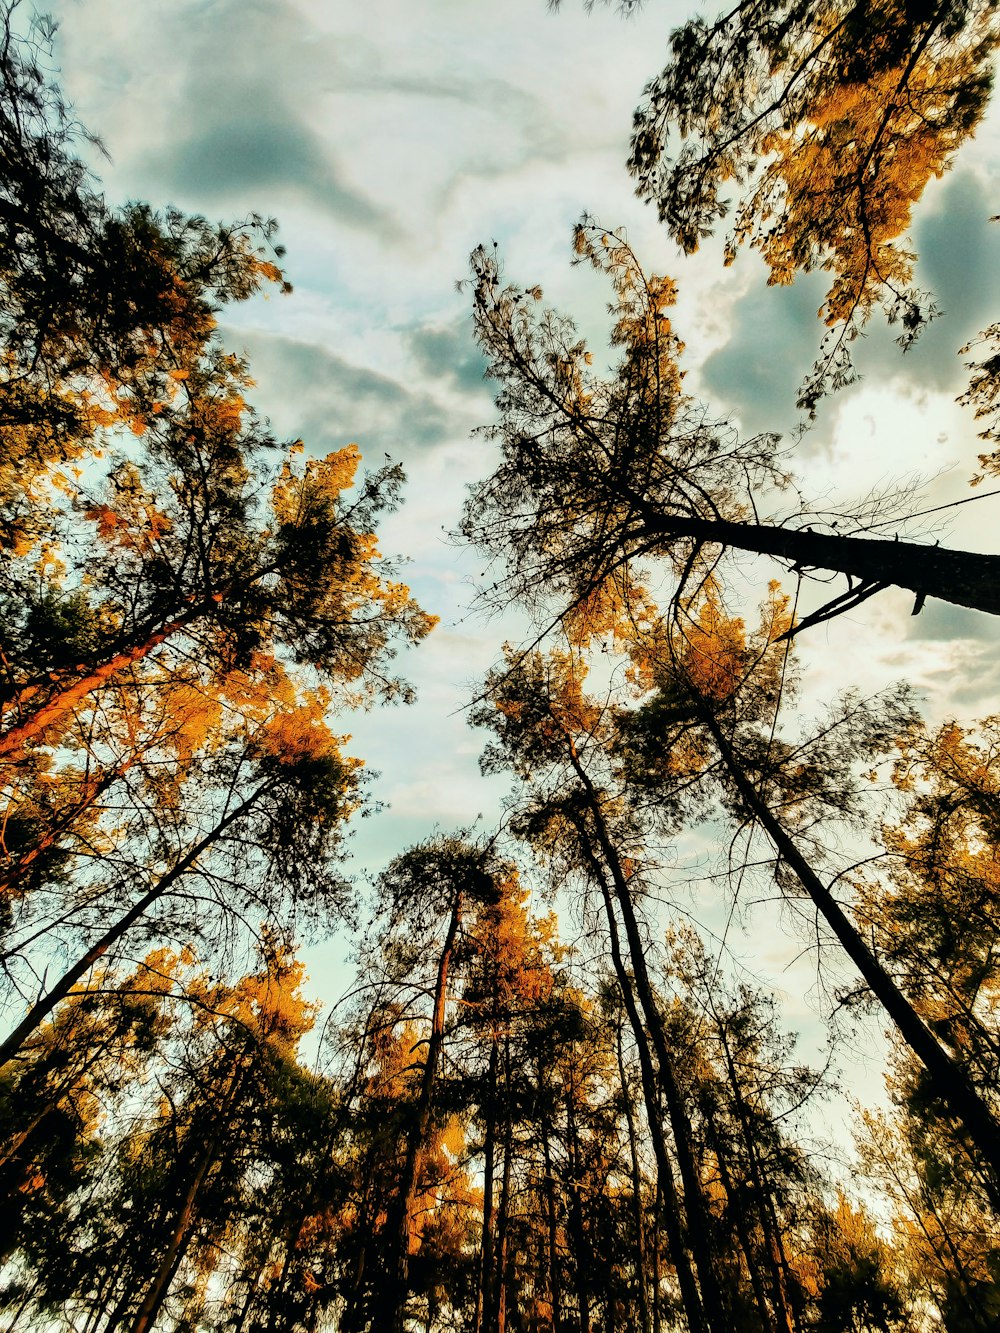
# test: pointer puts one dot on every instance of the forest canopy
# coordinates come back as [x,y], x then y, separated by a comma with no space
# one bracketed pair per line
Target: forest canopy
[561,1084]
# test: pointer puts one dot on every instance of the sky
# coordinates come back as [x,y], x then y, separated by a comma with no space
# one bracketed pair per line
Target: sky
[389,139]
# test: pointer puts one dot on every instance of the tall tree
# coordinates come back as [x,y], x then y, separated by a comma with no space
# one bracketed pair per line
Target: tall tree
[597,474]
[817,127]
[787,791]
[275,800]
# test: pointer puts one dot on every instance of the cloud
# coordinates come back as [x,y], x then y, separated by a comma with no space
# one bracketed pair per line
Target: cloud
[776,333]
[265,154]
[959,268]
[448,353]
[944,622]
[230,119]
[312,393]
[774,341]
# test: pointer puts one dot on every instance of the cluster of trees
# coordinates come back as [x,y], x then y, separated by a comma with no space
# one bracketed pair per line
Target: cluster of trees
[497,1130]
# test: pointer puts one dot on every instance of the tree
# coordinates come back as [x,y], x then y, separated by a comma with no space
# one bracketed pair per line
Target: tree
[710,664]
[180,620]
[427,886]
[826,122]
[182,1184]
[860,1286]
[283,791]
[177,548]
[599,474]
[546,725]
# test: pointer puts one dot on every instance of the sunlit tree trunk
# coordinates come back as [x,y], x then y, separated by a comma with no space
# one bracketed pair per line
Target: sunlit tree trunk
[65,696]
[88,793]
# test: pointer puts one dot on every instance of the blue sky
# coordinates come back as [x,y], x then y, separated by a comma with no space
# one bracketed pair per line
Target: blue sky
[391,137]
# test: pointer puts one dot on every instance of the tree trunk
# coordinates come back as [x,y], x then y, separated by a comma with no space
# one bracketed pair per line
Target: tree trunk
[499,1323]
[64,690]
[575,1215]
[181,1232]
[43,1007]
[947,1079]
[90,792]
[416,1139]
[777,1259]
[964,578]
[740,1223]
[670,1206]
[552,1226]
[633,1144]
[699,1227]
[72,692]
[483,1293]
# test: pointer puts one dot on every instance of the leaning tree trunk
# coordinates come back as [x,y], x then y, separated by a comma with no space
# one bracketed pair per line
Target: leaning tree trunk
[39,1011]
[947,1079]
[65,691]
[964,578]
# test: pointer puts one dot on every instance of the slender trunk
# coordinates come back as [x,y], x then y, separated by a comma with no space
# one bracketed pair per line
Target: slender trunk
[947,1079]
[72,692]
[699,1226]
[740,1223]
[177,1245]
[656,1266]
[668,1201]
[182,1230]
[964,578]
[957,1268]
[552,1227]
[53,1098]
[575,1218]
[41,1010]
[253,1285]
[633,1145]
[29,1295]
[778,1260]
[484,1288]
[503,1209]
[355,1311]
[64,690]
[90,792]
[398,1223]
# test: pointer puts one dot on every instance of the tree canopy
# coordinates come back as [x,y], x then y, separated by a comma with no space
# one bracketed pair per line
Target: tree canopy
[556,1094]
